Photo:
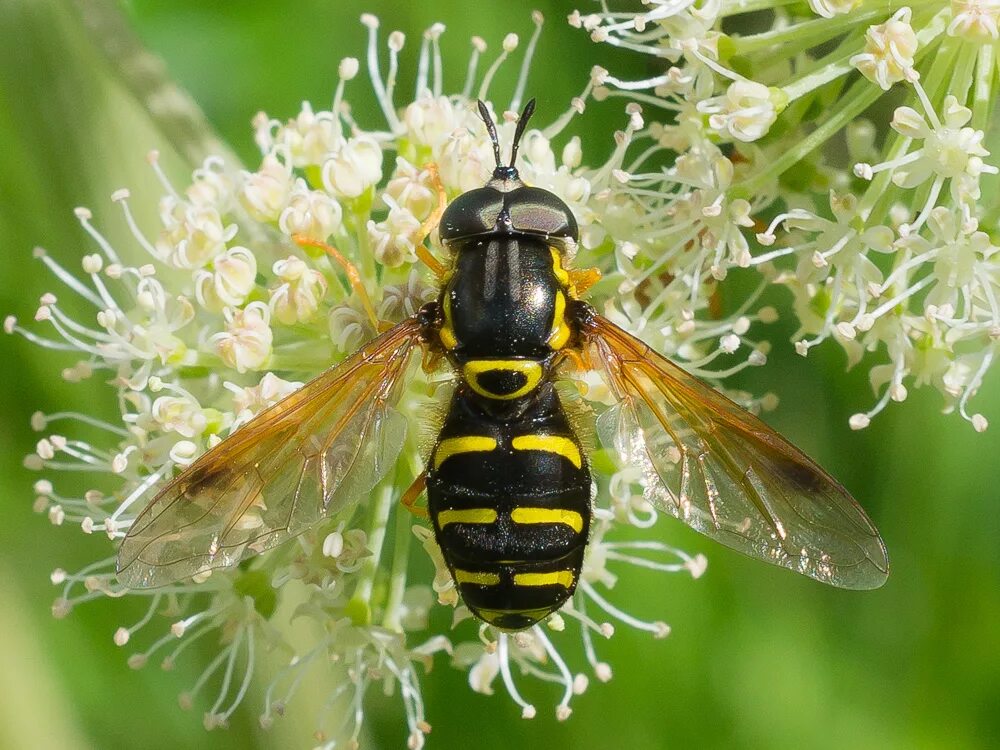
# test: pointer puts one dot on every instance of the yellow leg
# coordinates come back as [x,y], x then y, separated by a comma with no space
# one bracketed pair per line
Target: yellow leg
[413,492]
[353,276]
[423,253]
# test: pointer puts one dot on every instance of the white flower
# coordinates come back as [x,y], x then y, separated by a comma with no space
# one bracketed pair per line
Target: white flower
[410,188]
[265,193]
[311,213]
[431,120]
[975,20]
[353,168]
[269,391]
[230,280]
[246,342]
[180,414]
[192,234]
[889,51]
[392,240]
[745,113]
[300,293]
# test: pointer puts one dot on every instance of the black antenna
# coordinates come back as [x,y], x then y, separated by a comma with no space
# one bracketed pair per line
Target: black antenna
[522,123]
[492,128]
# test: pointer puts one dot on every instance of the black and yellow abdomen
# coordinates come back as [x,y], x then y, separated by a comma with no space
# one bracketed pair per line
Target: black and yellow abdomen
[509,497]
[508,486]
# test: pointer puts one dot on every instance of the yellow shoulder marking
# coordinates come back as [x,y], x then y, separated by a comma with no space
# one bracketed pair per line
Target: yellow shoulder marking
[465,444]
[562,578]
[472,515]
[447,332]
[548,515]
[560,332]
[476,577]
[550,444]
[562,276]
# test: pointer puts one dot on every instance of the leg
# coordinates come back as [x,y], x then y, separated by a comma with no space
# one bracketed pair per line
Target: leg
[349,268]
[437,267]
[414,491]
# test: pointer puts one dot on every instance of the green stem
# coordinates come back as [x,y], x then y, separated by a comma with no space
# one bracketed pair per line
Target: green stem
[962,72]
[982,91]
[802,36]
[397,577]
[749,6]
[360,606]
[859,97]
[819,77]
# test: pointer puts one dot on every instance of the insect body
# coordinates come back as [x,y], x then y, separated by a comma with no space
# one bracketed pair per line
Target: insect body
[508,481]
[508,486]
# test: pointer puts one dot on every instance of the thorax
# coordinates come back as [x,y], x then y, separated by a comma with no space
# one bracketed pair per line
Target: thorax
[504,311]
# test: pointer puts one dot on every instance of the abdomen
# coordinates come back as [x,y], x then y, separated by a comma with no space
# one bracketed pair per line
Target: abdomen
[510,503]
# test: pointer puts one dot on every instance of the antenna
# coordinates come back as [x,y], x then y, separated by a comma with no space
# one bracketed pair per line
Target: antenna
[492,128]
[522,123]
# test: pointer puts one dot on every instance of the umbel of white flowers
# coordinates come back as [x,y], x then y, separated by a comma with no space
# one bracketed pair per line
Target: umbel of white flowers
[879,230]
[882,237]
[216,314]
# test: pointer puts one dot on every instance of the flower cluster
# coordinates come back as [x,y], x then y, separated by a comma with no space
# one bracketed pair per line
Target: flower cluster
[228,306]
[773,153]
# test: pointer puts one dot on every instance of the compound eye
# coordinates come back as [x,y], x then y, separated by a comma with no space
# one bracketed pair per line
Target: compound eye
[471,213]
[537,211]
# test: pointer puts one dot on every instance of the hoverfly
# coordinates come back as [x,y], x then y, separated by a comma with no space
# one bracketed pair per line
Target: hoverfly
[508,482]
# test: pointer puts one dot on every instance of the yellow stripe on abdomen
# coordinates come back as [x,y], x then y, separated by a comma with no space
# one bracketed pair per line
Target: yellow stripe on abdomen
[477,577]
[472,515]
[466,444]
[550,444]
[562,578]
[548,515]
[529,370]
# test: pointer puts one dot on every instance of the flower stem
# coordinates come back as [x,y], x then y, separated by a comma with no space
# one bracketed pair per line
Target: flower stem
[982,104]
[360,606]
[802,36]
[397,577]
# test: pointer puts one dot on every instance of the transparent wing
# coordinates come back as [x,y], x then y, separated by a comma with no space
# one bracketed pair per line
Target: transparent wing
[312,454]
[725,473]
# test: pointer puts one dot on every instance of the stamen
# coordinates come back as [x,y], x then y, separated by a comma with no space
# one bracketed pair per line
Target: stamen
[522,78]
[396,41]
[435,31]
[478,47]
[121,197]
[144,486]
[562,710]
[503,655]
[66,277]
[508,46]
[84,216]
[388,110]
[658,629]
[153,158]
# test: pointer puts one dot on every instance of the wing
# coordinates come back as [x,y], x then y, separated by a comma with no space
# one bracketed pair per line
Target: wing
[725,473]
[312,454]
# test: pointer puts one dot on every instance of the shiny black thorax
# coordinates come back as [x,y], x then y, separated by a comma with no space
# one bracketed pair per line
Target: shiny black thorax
[501,298]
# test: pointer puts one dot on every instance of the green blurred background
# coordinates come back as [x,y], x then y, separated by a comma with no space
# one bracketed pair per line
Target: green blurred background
[757,657]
